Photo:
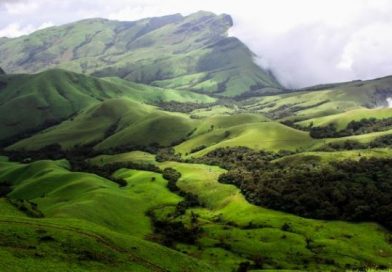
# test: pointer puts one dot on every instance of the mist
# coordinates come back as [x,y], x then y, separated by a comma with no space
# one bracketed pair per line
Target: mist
[303,42]
[389,101]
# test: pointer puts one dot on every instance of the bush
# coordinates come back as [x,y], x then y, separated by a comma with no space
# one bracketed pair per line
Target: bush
[5,188]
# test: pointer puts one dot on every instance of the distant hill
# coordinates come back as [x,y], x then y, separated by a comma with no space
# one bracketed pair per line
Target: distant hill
[187,53]
[324,101]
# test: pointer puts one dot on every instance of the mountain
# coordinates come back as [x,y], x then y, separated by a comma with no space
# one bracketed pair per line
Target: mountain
[30,103]
[186,53]
[2,71]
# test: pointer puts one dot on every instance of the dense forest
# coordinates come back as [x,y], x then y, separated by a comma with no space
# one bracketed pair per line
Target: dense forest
[346,190]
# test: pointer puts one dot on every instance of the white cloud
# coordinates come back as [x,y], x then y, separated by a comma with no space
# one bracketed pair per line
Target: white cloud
[304,42]
[15,30]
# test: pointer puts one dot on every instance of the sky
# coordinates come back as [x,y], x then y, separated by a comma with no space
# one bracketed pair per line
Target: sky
[303,42]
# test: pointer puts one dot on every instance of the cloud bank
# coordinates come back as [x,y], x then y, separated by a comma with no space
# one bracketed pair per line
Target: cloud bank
[303,42]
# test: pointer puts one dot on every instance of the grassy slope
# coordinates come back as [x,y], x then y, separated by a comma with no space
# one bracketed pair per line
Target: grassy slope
[137,124]
[341,120]
[188,53]
[93,224]
[309,104]
[133,124]
[268,135]
[29,101]
[226,215]
[325,157]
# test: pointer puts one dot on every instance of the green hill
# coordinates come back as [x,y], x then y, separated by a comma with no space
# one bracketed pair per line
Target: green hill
[235,231]
[115,123]
[319,102]
[123,123]
[34,102]
[270,136]
[187,53]
[89,223]
[341,120]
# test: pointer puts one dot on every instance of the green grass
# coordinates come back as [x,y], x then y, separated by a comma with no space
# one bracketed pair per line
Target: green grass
[341,120]
[63,194]
[29,102]
[270,136]
[130,123]
[316,104]
[92,224]
[135,124]
[249,231]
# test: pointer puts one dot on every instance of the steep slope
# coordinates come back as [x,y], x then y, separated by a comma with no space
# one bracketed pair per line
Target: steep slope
[189,53]
[34,102]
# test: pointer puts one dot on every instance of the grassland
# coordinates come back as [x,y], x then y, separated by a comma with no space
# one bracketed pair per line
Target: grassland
[234,230]
[134,124]
[341,120]
[35,102]
[81,231]
[317,103]
[270,136]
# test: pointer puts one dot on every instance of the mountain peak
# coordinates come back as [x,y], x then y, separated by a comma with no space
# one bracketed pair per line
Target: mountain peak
[190,52]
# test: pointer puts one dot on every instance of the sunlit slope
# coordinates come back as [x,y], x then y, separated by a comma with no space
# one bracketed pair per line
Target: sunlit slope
[122,123]
[341,120]
[90,223]
[34,102]
[188,53]
[271,136]
[321,102]
[333,156]
[235,231]
[115,123]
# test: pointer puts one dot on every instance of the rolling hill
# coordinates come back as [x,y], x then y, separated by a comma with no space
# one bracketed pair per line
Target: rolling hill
[122,123]
[320,102]
[30,103]
[233,229]
[77,235]
[187,53]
